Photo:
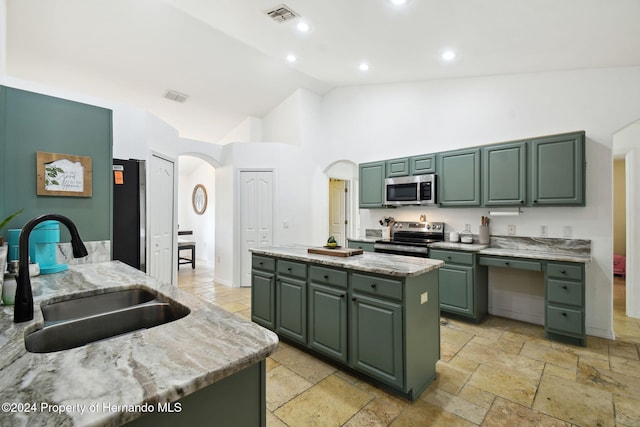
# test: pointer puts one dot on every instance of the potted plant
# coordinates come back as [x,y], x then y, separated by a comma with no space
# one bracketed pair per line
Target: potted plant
[6,221]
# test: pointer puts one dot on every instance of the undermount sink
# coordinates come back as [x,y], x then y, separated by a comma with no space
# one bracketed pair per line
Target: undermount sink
[94,304]
[78,321]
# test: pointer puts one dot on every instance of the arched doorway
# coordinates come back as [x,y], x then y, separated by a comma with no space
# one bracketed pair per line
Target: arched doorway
[342,178]
[196,205]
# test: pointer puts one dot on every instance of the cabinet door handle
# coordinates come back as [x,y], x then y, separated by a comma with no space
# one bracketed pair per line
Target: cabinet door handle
[373,285]
[326,277]
[289,269]
[535,201]
[341,295]
[353,298]
[506,263]
[564,287]
[521,201]
[563,271]
[449,257]
[261,263]
[564,314]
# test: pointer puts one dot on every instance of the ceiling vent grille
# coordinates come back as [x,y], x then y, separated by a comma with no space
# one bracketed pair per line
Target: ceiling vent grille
[282,13]
[176,96]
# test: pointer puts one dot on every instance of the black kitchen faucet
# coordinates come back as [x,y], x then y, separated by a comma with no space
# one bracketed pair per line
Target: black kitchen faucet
[23,309]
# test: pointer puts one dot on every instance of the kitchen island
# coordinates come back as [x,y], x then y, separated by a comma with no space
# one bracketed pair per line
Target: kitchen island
[376,315]
[188,371]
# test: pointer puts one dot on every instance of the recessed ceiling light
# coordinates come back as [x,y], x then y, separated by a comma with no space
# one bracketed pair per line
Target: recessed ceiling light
[291,57]
[398,2]
[364,66]
[302,26]
[448,55]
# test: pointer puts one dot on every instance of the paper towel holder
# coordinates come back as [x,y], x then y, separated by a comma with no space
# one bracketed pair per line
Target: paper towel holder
[515,212]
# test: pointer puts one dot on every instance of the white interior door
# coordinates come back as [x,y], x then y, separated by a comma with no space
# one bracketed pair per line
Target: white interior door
[256,215]
[337,211]
[161,219]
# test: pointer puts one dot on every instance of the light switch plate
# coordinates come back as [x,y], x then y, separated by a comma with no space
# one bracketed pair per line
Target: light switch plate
[511,230]
[424,297]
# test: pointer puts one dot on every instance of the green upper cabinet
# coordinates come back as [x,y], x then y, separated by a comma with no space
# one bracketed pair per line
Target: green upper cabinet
[420,165]
[558,170]
[504,174]
[372,177]
[459,178]
[397,167]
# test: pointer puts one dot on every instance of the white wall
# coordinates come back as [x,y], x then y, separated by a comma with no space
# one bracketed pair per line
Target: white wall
[367,123]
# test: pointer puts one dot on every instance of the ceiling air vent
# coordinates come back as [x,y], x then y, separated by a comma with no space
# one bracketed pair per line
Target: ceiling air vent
[176,96]
[282,13]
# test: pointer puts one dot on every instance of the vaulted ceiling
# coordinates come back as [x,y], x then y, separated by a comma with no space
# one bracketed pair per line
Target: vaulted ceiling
[229,56]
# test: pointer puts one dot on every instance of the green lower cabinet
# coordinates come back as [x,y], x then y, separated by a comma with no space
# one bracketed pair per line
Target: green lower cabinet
[328,321]
[376,338]
[565,303]
[263,293]
[291,300]
[291,309]
[382,327]
[237,400]
[456,289]
[463,284]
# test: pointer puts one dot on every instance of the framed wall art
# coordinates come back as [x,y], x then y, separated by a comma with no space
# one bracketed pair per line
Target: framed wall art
[199,199]
[63,175]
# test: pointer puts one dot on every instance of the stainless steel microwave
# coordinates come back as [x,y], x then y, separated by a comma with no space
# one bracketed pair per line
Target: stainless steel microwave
[410,190]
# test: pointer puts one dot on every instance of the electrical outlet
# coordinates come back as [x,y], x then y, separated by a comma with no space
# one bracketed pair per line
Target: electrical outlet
[544,231]
[424,297]
[567,231]
[511,230]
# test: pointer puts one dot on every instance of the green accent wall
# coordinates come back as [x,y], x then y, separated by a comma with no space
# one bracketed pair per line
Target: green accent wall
[31,122]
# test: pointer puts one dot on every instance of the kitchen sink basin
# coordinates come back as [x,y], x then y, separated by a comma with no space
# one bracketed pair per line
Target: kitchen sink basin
[95,304]
[69,326]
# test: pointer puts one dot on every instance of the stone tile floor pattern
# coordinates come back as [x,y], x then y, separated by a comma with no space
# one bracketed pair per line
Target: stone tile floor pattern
[501,372]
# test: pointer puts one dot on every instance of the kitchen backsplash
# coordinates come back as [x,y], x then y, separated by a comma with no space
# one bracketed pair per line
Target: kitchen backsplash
[99,251]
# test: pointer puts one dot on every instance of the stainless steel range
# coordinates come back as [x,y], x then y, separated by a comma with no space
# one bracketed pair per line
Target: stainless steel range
[411,238]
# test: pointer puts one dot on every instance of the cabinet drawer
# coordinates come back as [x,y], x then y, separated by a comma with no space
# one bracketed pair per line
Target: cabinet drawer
[328,276]
[565,271]
[565,320]
[510,263]
[263,263]
[377,286]
[565,292]
[357,244]
[292,269]
[452,256]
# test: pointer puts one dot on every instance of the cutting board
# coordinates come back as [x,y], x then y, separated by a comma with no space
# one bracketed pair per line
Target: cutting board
[344,252]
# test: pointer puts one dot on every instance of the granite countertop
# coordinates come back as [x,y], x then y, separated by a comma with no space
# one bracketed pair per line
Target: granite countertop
[155,365]
[370,262]
[469,247]
[542,248]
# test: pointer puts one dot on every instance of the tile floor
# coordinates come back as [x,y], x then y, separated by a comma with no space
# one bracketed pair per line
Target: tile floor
[499,373]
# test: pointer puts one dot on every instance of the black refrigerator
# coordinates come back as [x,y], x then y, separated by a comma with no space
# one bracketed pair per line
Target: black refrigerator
[129,213]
